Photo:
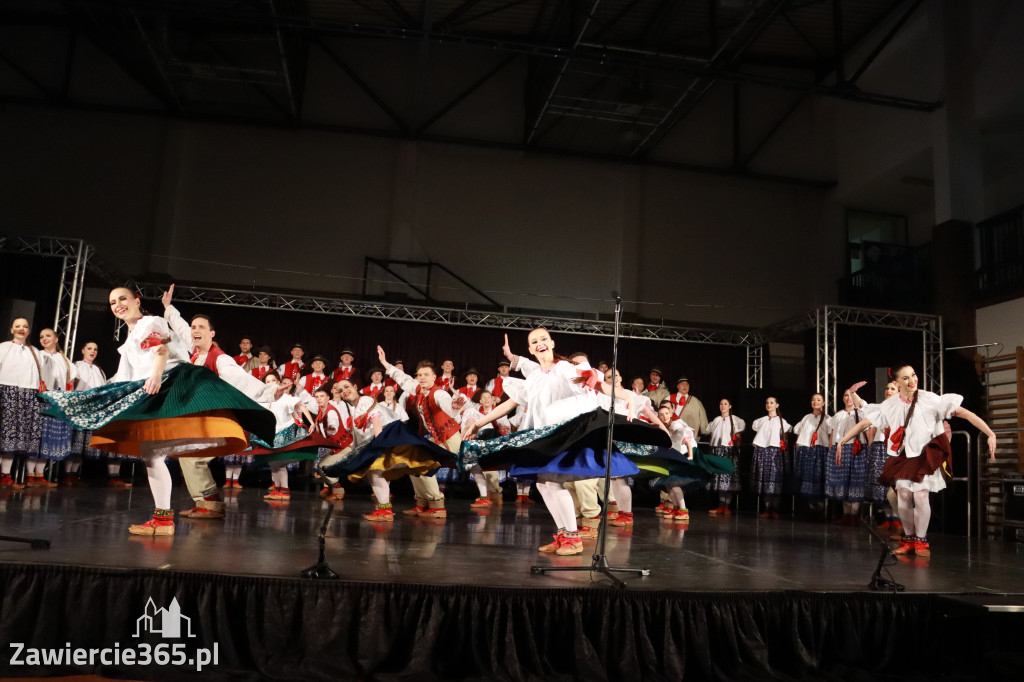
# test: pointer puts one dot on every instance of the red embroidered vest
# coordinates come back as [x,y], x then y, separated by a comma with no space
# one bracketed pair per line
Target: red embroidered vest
[498,390]
[343,437]
[343,373]
[211,358]
[262,371]
[291,370]
[435,421]
[313,382]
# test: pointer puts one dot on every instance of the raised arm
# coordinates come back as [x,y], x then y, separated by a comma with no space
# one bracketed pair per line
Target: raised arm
[470,429]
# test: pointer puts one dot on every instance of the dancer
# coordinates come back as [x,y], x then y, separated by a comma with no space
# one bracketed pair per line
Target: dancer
[877,492]
[194,413]
[346,371]
[265,366]
[245,357]
[563,434]
[656,389]
[488,483]
[846,468]
[812,444]
[725,433]
[470,390]
[394,451]
[90,376]
[315,379]
[683,441]
[21,378]
[376,384]
[918,448]
[55,444]
[769,456]
[294,368]
[290,445]
[198,338]
[352,428]
[446,379]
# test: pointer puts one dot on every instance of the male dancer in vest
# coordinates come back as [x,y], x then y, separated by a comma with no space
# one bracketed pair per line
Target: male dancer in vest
[438,420]
[198,337]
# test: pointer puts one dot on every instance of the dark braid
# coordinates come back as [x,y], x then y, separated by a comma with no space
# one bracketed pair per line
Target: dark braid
[910,415]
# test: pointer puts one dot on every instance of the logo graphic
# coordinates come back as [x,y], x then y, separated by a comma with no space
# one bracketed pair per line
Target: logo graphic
[166,622]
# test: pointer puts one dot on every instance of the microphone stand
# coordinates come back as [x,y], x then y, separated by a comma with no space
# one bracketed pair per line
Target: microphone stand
[321,570]
[599,563]
[878,583]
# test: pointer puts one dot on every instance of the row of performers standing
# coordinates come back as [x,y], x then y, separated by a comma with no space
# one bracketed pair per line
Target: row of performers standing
[27,435]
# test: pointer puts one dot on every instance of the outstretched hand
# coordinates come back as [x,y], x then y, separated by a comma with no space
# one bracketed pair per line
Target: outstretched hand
[166,297]
[506,350]
[380,356]
[468,430]
[857,386]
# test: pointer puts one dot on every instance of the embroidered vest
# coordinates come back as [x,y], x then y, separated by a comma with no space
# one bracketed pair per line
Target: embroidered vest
[343,437]
[211,358]
[435,421]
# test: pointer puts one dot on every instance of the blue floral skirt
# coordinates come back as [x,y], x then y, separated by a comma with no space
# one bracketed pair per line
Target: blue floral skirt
[728,481]
[875,491]
[846,482]
[811,461]
[769,470]
[397,452]
[20,422]
[55,444]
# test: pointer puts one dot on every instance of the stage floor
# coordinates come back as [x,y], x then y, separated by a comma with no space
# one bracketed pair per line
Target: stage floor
[88,527]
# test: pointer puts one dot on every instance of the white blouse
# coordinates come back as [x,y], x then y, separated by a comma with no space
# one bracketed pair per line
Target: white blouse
[719,430]
[89,376]
[18,365]
[807,428]
[551,397]
[137,363]
[60,372]
[768,431]
[682,435]
[926,424]
[843,421]
[284,409]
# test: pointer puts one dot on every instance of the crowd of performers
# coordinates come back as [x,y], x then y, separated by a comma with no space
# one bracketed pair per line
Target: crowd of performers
[542,421]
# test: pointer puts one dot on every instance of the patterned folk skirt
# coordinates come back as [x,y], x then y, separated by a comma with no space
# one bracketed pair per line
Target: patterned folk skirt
[811,461]
[80,447]
[875,491]
[55,444]
[768,471]
[726,482]
[20,421]
[195,414]
[846,481]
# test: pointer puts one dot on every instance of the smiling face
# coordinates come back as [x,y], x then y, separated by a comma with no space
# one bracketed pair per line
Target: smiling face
[471,380]
[847,401]
[426,376]
[725,407]
[486,400]
[348,391]
[271,378]
[245,345]
[318,366]
[297,354]
[906,380]
[264,358]
[891,389]
[90,351]
[48,340]
[665,414]
[447,366]
[771,405]
[817,402]
[19,330]
[125,305]
[618,378]
[655,378]
[638,385]
[541,345]
[202,334]
[389,393]
[346,359]
[683,387]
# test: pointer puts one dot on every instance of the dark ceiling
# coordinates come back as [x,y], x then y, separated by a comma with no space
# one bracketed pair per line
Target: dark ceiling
[607,79]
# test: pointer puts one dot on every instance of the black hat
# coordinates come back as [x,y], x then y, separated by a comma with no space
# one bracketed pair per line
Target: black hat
[399,361]
[297,345]
[320,358]
[348,351]
[471,370]
[682,379]
[506,363]
[265,349]
[373,369]
[657,370]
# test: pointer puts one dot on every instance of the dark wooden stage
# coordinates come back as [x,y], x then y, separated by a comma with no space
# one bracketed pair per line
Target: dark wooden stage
[455,599]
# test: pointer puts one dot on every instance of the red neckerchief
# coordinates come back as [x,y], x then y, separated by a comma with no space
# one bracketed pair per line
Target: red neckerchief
[242,359]
[651,388]
[261,372]
[342,373]
[372,390]
[313,382]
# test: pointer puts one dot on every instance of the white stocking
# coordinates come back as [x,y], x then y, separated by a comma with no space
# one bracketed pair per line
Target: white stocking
[676,493]
[381,487]
[159,477]
[73,465]
[5,465]
[907,511]
[478,478]
[922,513]
[114,470]
[622,494]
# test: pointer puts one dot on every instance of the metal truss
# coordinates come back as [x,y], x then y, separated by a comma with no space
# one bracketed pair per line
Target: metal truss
[755,366]
[75,254]
[79,257]
[331,305]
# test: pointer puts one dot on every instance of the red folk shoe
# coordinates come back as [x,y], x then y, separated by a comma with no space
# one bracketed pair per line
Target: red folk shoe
[382,514]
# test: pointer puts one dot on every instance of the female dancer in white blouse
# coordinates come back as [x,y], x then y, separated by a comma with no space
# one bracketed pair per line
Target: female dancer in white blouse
[91,376]
[917,446]
[55,443]
[724,433]
[21,378]
[769,456]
